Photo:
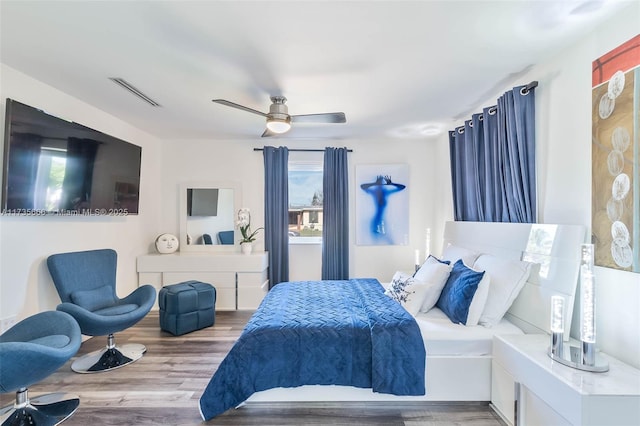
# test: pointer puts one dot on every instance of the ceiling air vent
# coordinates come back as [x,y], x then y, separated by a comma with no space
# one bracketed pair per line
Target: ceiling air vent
[123,83]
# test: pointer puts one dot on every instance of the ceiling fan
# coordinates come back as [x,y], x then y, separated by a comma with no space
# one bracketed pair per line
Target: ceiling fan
[278,118]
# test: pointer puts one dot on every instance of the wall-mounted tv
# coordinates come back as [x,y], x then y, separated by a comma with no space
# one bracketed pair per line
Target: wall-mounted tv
[54,166]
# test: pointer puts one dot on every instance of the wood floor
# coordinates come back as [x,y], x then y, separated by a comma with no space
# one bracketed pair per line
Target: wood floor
[164,386]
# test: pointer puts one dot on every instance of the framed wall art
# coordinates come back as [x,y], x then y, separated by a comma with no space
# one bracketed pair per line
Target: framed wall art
[382,204]
[615,201]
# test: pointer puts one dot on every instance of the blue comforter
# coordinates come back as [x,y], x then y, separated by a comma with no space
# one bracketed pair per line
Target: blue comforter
[321,333]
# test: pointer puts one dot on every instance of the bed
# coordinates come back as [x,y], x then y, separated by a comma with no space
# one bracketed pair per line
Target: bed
[457,365]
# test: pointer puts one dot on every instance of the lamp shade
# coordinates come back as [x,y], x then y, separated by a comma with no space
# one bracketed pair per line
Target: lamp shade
[557,314]
[587,295]
[278,125]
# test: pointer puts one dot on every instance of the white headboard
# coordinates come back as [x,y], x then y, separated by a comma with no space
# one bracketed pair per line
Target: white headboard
[556,248]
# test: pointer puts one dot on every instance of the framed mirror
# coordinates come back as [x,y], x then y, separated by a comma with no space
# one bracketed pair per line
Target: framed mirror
[207,216]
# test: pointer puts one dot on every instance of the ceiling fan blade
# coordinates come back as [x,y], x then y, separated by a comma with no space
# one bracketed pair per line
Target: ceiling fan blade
[267,133]
[238,106]
[326,117]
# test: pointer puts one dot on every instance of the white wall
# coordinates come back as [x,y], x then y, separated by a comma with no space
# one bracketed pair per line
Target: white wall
[25,242]
[563,133]
[212,163]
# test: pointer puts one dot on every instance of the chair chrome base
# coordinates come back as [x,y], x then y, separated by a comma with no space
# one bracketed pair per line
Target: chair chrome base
[109,358]
[44,410]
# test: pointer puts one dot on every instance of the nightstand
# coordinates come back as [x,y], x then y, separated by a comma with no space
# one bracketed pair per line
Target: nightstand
[529,388]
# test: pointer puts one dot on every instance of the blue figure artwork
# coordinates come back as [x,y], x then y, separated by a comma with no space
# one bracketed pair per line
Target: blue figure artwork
[381,190]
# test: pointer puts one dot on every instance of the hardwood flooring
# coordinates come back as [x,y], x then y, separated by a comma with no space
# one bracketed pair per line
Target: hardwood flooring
[163,388]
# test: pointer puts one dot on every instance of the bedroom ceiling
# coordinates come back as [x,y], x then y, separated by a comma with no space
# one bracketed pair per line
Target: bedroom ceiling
[393,67]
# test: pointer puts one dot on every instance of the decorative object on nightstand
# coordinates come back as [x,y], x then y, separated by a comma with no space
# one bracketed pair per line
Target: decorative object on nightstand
[167,243]
[417,260]
[427,243]
[557,326]
[583,357]
[244,225]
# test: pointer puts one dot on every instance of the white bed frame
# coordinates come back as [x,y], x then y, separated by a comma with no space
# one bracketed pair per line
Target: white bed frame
[468,378]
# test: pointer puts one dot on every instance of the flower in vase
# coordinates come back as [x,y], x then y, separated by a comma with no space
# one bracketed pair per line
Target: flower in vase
[244,225]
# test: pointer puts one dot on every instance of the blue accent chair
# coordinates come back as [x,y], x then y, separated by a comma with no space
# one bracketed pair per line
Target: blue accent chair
[30,351]
[86,284]
[225,237]
[206,239]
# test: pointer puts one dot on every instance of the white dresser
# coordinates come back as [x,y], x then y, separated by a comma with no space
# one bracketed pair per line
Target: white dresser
[240,279]
[529,388]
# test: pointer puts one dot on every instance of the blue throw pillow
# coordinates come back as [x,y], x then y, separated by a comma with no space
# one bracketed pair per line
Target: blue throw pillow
[458,292]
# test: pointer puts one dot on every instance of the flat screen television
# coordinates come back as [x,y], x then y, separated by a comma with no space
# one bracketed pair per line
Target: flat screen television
[54,166]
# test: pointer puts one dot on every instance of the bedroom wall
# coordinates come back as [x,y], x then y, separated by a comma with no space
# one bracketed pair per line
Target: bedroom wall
[564,181]
[236,161]
[25,242]
[563,131]
[564,187]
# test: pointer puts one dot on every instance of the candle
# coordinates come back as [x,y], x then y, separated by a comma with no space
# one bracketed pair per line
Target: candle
[588,297]
[557,326]
[427,248]
[557,314]
[588,302]
[417,255]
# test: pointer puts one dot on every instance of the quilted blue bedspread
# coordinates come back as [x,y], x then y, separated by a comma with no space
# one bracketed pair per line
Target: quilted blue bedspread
[321,333]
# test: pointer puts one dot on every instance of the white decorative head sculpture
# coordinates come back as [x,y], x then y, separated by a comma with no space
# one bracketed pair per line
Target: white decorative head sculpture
[167,243]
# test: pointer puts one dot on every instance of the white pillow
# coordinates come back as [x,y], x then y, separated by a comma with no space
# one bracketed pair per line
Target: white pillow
[434,275]
[407,291]
[507,279]
[479,300]
[453,253]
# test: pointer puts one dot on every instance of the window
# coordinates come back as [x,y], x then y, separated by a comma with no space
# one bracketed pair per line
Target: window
[49,179]
[305,202]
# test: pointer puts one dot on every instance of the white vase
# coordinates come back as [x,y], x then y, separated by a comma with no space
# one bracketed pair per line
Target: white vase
[246,248]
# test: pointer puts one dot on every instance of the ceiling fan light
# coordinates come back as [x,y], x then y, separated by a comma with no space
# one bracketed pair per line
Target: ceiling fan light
[278,125]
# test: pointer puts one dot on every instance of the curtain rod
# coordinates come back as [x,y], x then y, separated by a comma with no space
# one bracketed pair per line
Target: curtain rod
[494,108]
[301,150]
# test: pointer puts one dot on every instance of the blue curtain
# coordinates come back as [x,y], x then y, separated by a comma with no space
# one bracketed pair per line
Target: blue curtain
[493,168]
[78,173]
[335,208]
[276,212]
[23,160]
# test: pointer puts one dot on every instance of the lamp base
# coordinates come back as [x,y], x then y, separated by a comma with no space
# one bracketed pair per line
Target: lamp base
[573,358]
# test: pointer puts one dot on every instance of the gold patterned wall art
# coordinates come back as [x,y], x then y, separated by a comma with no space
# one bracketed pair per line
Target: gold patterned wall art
[615,155]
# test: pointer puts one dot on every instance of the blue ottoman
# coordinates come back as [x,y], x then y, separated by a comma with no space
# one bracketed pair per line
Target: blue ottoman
[186,307]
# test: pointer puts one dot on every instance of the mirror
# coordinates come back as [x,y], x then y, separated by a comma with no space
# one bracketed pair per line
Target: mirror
[207,209]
